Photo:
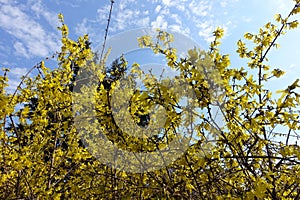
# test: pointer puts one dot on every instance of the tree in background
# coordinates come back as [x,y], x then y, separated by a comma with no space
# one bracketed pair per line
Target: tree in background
[42,156]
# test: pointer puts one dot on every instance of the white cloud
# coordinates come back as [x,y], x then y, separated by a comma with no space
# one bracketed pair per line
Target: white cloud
[158,8]
[185,16]
[160,22]
[122,5]
[166,2]
[223,3]
[35,40]
[18,71]
[205,30]
[175,28]
[165,11]
[103,13]
[126,19]
[153,1]
[123,18]
[179,29]
[200,8]
[40,10]
[20,49]
[180,7]
[178,4]
[177,18]
[247,19]
[12,85]
[14,78]
[5,1]
[83,28]
[143,22]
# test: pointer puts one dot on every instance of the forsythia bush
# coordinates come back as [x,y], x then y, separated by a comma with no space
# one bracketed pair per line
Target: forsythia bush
[43,156]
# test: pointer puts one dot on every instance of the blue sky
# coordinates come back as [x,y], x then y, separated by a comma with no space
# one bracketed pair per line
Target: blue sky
[28,30]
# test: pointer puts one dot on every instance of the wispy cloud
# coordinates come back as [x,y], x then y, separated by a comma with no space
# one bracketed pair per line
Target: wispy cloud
[185,16]
[160,22]
[18,71]
[83,27]
[14,78]
[40,10]
[31,37]
[5,1]
[200,8]
[205,30]
[20,49]
[158,8]
[225,3]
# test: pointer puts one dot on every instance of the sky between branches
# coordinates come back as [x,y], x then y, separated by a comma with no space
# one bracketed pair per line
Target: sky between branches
[28,29]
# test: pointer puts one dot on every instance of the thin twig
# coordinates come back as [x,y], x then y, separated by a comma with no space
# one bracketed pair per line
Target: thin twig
[106,30]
